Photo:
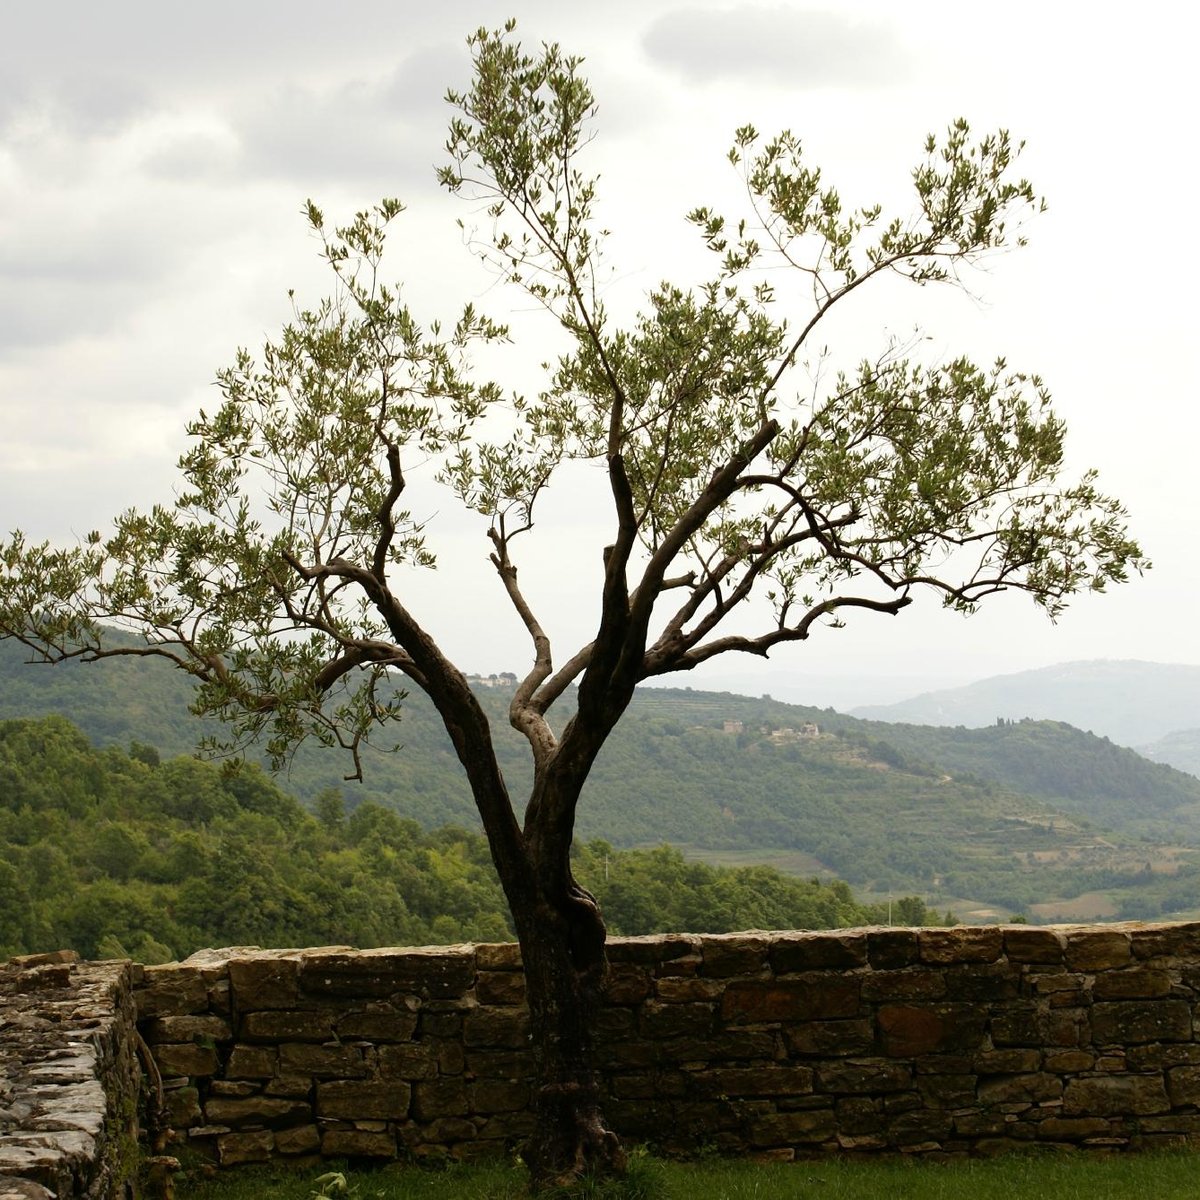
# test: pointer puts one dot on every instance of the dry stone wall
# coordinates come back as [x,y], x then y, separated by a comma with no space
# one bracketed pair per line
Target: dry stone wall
[68,1078]
[926,1041]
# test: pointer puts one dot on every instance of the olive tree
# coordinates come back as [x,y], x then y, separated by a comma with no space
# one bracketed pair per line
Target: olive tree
[280,576]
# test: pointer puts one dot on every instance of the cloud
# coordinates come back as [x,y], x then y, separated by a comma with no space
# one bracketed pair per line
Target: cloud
[804,50]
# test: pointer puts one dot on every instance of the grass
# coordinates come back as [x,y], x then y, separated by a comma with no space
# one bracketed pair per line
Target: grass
[1164,1175]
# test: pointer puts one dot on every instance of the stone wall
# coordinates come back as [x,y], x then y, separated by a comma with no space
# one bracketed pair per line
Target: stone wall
[68,1078]
[940,1041]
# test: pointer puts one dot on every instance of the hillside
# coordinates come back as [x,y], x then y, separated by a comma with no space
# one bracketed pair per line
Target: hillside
[1007,816]
[1180,748]
[1131,702]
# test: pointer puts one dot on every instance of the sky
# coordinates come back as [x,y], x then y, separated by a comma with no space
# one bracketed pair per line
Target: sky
[154,159]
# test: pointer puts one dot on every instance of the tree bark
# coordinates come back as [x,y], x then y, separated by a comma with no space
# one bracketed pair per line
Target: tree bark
[562,946]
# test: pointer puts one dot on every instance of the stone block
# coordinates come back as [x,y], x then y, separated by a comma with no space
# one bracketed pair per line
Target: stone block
[182,1107]
[789,1129]
[960,944]
[499,1064]
[1072,1129]
[284,1025]
[252,1062]
[1007,1062]
[171,990]
[498,956]
[720,1045]
[331,1061]
[683,988]
[983,983]
[1176,940]
[254,1110]
[828,1039]
[745,1082]
[289,1085]
[1097,949]
[947,1091]
[1134,983]
[500,987]
[797,998]
[867,1077]
[187,1059]
[264,981]
[439,1098]
[1183,1086]
[917,983]
[655,949]
[907,1030]
[658,1020]
[378,1023]
[203,1028]
[1129,1021]
[357,1143]
[236,1148]
[412,1062]
[818,951]
[1011,1089]
[889,949]
[299,1139]
[501,1029]
[723,955]
[433,973]
[1115,1095]
[364,1100]
[493,1096]
[628,983]
[1069,1062]
[1028,944]
[1018,1024]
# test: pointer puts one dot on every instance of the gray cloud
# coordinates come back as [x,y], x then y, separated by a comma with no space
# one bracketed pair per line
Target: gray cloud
[801,49]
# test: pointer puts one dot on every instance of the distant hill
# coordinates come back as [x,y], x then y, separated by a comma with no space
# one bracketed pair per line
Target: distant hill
[1010,815]
[1131,702]
[1180,748]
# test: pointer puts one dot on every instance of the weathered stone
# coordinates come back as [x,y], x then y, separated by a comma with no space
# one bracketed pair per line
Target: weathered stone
[1007,1062]
[363,1099]
[752,1081]
[1134,983]
[182,1107]
[841,950]
[434,973]
[1183,1085]
[654,949]
[1111,1095]
[680,989]
[1018,1024]
[232,1087]
[188,1059]
[357,1143]
[265,982]
[492,1096]
[1008,1089]
[888,949]
[1142,1021]
[733,954]
[415,1061]
[1028,944]
[870,1077]
[906,1030]
[502,1029]
[187,1029]
[1097,949]
[960,944]
[171,990]
[797,998]
[236,1148]
[251,1062]
[498,956]
[289,1085]
[920,983]
[282,1025]
[660,1020]
[439,1098]
[1069,1062]
[500,987]
[253,1110]
[628,983]
[1072,1129]
[947,1091]
[384,1023]
[782,1129]
[982,983]
[299,1139]
[826,1039]
[333,1061]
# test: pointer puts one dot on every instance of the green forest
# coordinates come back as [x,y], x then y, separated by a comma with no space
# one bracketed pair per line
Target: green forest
[117,853]
[1007,816]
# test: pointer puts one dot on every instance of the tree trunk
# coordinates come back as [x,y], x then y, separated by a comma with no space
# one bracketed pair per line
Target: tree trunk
[562,945]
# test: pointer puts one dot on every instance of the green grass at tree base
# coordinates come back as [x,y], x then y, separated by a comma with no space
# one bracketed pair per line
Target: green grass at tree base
[1162,1175]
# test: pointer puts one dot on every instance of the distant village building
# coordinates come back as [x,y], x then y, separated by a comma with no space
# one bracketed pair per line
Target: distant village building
[734,727]
[503,679]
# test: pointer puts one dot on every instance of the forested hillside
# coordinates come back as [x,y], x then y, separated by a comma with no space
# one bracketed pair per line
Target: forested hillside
[114,853]
[1006,816]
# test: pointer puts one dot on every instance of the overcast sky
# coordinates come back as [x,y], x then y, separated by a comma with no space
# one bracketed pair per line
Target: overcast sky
[154,158]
